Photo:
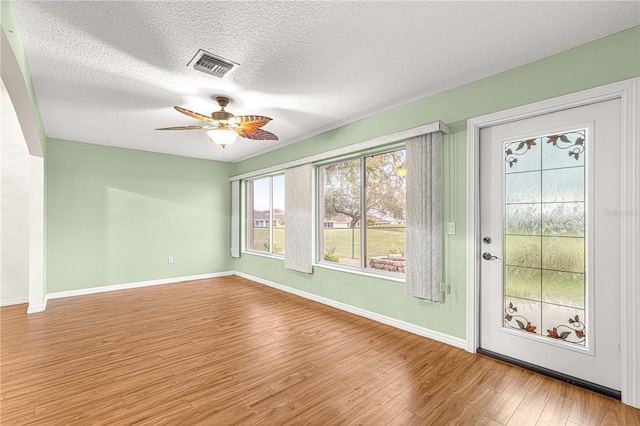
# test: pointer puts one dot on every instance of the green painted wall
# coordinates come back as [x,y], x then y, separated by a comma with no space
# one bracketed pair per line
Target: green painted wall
[603,61]
[115,215]
[389,297]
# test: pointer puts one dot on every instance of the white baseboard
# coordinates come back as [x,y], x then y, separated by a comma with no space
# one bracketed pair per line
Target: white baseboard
[18,301]
[33,309]
[24,300]
[412,328]
[102,289]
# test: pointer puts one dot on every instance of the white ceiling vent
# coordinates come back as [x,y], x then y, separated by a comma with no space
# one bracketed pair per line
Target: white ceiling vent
[211,64]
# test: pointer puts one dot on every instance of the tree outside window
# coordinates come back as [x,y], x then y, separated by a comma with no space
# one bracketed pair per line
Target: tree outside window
[374,185]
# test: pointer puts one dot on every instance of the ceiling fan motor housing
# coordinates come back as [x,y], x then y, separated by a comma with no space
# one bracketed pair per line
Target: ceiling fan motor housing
[222,115]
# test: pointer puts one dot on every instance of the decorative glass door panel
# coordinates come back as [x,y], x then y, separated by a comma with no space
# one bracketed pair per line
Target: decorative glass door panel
[549,252]
[544,236]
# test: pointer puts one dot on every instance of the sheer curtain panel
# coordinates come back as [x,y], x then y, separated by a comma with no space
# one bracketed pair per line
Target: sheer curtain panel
[424,216]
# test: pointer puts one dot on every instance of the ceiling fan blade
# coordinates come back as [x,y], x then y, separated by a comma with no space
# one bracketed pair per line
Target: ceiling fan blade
[248,122]
[192,114]
[256,134]
[185,128]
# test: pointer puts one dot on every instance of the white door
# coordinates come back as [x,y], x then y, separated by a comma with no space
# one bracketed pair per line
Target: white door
[550,273]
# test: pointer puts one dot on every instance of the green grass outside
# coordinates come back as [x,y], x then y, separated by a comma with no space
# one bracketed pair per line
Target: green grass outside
[261,240]
[381,240]
[562,288]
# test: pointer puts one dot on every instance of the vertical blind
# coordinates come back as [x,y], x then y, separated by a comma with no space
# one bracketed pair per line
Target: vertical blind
[424,216]
[235,218]
[298,219]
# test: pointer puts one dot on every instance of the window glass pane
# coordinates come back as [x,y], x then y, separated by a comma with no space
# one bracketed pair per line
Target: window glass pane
[566,150]
[522,314]
[522,251]
[545,245]
[563,254]
[522,187]
[340,239]
[563,288]
[522,219]
[563,219]
[278,214]
[565,323]
[562,185]
[385,207]
[523,155]
[259,216]
[523,283]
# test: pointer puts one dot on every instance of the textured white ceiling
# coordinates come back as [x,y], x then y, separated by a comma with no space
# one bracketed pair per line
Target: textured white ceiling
[109,72]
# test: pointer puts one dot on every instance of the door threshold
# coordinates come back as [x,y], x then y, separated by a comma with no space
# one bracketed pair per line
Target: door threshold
[593,387]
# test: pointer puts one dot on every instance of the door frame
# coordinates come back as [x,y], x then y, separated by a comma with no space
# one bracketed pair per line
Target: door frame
[628,91]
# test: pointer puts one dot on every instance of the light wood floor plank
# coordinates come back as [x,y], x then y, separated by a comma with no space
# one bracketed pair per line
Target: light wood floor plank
[228,351]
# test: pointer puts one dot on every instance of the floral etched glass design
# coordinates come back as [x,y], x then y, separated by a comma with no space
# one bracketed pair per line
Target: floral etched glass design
[545,236]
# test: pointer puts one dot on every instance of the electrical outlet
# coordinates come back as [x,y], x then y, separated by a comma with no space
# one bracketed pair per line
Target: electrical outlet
[170,259]
[451,228]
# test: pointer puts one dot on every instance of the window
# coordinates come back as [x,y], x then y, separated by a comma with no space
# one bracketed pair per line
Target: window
[375,185]
[265,214]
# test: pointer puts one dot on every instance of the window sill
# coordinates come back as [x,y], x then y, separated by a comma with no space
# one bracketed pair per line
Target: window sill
[269,255]
[365,272]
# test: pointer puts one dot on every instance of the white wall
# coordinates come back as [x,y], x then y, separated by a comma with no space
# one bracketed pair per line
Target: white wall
[14,207]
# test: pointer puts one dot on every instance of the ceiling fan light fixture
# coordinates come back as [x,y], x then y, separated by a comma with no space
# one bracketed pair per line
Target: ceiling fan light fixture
[222,137]
[226,127]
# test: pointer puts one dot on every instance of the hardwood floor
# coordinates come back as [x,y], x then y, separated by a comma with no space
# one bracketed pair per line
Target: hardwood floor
[230,351]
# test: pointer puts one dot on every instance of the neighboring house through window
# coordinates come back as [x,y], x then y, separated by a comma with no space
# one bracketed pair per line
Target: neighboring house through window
[265,214]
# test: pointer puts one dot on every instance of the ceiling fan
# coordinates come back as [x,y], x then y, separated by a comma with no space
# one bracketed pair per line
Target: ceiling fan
[226,126]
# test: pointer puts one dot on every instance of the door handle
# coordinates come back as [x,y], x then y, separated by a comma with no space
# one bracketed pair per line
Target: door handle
[488,256]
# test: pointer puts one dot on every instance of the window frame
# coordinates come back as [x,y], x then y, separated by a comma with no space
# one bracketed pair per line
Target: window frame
[320,219]
[249,220]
